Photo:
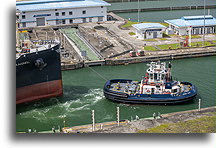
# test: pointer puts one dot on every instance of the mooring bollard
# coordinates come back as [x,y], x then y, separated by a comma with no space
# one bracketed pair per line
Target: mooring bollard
[137,117]
[199,105]
[131,118]
[101,126]
[93,121]
[154,115]
[118,117]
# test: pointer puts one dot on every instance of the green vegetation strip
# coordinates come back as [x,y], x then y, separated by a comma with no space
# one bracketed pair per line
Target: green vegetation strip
[150,40]
[71,33]
[130,23]
[168,46]
[162,39]
[193,37]
[199,44]
[204,124]
[131,33]
[150,48]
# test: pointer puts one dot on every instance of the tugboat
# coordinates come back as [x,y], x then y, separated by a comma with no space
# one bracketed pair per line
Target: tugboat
[157,87]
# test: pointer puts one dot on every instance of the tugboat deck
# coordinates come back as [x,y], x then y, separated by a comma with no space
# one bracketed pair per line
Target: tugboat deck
[157,87]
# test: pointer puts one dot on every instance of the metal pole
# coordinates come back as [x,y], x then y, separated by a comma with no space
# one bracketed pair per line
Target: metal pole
[203,44]
[190,29]
[93,121]
[199,104]
[64,42]
[118,115]
[64,122]
[138,12]
[46,35]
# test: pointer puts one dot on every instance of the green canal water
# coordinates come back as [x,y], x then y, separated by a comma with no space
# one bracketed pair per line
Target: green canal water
[83,92]
[160,16]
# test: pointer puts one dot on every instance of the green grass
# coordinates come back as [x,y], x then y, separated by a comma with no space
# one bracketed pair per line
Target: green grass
[214,41]
[166,46]
[150,40]
[162,39]
[130,23]
[193,37]
[207,43]
[131,33]
[205,124]
[150,48]
[165,35]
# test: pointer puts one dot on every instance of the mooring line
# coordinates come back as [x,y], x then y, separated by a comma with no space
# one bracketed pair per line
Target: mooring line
[98,74]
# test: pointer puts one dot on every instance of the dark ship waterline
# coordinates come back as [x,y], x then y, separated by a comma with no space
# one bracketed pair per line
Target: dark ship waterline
[38,73]
[157,87]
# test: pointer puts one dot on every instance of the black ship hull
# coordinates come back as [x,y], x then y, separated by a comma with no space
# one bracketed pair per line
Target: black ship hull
[38,75]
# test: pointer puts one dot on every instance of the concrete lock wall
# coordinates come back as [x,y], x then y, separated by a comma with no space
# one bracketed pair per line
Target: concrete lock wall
[92,15]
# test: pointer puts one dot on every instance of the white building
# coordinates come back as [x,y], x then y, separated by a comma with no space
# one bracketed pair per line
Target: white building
[149,30]
[55,12]
[194,23]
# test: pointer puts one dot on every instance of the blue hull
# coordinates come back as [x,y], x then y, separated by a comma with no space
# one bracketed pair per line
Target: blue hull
[148,99]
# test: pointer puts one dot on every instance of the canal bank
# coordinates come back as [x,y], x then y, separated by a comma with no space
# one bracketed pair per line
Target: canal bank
[142,125]
[183,118]
[150,56]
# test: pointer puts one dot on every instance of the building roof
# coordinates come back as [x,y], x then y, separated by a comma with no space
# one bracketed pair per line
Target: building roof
[146,26]
[36,5]
[187,21]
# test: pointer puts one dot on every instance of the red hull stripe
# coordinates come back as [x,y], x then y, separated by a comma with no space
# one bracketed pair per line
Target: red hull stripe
[39,91]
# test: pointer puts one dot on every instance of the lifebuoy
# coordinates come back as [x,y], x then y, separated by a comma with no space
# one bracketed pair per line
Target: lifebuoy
[148,90]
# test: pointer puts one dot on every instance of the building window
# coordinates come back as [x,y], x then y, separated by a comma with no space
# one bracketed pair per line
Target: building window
[57,14]
[24,24]
[84,20]
[17,17]
[149,33]
[90,19]
[63,13]
[23,16]
[58,22]
[70,13]
[100,19]
[84,12]
[63,21]
[71,21]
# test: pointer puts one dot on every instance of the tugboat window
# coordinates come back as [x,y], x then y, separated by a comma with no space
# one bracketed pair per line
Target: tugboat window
[151,76]
[155,76]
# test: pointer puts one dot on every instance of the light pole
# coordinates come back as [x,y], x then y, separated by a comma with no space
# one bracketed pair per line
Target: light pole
[203,43]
